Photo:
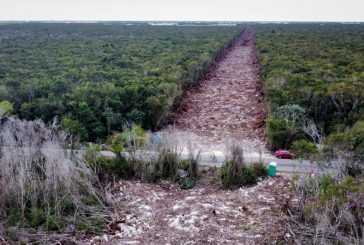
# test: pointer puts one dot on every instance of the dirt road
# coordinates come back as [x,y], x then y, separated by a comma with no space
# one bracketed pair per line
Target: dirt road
[230,101]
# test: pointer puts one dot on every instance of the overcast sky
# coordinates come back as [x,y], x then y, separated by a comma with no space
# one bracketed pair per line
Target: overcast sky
[220,10]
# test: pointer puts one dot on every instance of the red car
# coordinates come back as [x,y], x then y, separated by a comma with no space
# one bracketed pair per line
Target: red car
[284,154]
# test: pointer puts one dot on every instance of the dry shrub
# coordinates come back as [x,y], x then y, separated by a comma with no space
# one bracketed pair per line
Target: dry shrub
[169,155]
[235,172]
[193,156]
[328,209]
[157,156]
[234,164]
[40,176]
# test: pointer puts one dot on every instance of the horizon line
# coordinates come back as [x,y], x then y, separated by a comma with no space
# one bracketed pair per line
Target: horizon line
[235,21]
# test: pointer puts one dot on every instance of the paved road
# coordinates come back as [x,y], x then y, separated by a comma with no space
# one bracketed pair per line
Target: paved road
[217,158]
[287,165]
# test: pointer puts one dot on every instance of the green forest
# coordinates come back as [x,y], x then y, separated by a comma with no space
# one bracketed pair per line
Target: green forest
[96,77]
[313,77]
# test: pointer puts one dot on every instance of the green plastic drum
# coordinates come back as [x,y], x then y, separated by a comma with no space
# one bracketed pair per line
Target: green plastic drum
[272,169]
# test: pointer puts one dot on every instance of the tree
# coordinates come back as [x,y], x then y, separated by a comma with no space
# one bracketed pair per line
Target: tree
[6,107]
[345,97]
[304,149]
[74,127]
[296,121]
[277,133]
[292,116]
[112,118]
[309,127]
[136,116]
[357,134]
[157,109]
[138,77]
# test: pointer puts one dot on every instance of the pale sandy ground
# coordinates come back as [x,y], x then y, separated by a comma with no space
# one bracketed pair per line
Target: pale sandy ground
[164,214]
[227,107]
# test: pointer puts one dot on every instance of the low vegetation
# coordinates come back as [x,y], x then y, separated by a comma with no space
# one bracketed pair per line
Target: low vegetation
[349,142]
[96,77]
[313,79]
[45,185]
[328,210]
[138,156]
[327,207]
[235,172]
[305,149]
[151,161]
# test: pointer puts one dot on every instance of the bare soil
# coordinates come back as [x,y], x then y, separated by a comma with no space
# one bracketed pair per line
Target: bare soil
[229,101]
[165,214]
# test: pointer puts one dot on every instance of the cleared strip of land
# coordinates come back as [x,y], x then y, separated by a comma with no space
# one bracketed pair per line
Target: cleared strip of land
[164,214]
[226,106]
[230,101]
